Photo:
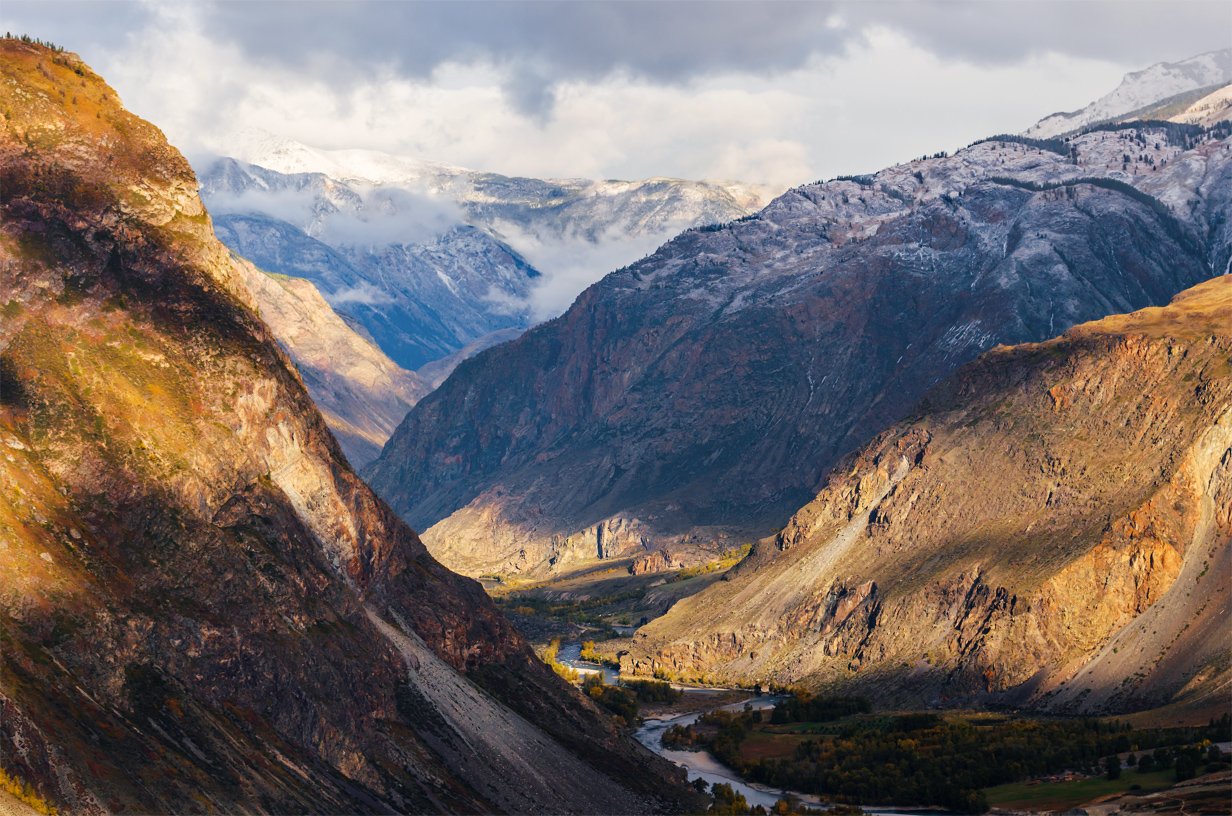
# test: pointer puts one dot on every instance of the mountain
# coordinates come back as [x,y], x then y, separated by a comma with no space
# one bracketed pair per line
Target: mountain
[1139,90]
[419,295]
[430,258]
[697,398]
[1209,109]
[541,209]
[204,608]
[361,393]
[1053,528]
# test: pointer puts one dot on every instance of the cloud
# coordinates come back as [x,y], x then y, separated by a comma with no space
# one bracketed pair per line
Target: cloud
[293,206]
[377,216]
[621,89]
[542,43]
[364,294]
[390,215]
[536,46]
[569,265]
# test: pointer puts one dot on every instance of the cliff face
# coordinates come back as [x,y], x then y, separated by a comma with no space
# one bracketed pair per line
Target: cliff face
[701,394]
[362,394]
[1053,529]
[203,607]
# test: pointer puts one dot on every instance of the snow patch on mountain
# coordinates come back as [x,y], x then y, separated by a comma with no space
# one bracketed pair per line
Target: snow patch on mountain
[1140,89]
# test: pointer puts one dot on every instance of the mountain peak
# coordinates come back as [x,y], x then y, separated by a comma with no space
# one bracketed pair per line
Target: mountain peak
[1140,89]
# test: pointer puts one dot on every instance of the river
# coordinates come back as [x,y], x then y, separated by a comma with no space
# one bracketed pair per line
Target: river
[701,764]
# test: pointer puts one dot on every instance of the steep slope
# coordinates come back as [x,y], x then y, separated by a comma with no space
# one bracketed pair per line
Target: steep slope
[362,394]
[204,609]
[1054,528]
[701,394]
[1140,90]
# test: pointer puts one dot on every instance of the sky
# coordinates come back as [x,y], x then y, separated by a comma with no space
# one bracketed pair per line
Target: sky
[773,92]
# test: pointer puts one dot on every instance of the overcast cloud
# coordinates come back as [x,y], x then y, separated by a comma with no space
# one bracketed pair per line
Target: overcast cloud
[775,92]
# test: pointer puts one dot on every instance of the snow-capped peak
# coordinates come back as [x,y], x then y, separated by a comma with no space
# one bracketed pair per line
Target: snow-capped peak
[283,155]
[1142,88]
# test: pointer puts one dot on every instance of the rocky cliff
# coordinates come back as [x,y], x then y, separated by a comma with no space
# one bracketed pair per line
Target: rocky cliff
[203,608]
[700,395]
[362,394]
[1054,528]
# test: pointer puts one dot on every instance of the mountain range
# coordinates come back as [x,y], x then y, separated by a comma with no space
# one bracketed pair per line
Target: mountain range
[699,397]
[204,608]
[429,258]
[416,258]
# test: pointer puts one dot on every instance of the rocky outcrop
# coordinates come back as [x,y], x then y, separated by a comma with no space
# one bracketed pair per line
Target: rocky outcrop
[654,561]
[362,394]
[1052,529]
[202,608]
[704,392]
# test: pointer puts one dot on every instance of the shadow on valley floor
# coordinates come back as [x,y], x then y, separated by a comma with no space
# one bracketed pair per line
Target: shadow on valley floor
[599,600]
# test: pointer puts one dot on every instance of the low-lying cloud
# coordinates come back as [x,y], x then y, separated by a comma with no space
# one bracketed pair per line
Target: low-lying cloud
[390,216]
[293,206]
[371,217]
[365,294]
[569,265]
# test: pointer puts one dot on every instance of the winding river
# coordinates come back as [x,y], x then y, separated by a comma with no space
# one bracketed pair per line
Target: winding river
[701,764]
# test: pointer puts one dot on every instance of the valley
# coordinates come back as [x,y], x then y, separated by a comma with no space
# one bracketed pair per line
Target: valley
[772,747]
[335,479]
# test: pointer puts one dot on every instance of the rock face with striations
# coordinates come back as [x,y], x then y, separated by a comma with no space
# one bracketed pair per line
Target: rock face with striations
[700,395]
[362,394]
[203,607]
[1053,529]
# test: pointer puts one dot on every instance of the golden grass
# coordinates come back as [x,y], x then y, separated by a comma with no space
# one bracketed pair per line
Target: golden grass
[25,794]
[1199,311]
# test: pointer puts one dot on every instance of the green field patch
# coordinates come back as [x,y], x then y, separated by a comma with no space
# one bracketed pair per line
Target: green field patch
[1043,795]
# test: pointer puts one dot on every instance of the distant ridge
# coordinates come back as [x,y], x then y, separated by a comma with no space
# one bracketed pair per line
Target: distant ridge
[1139,91]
